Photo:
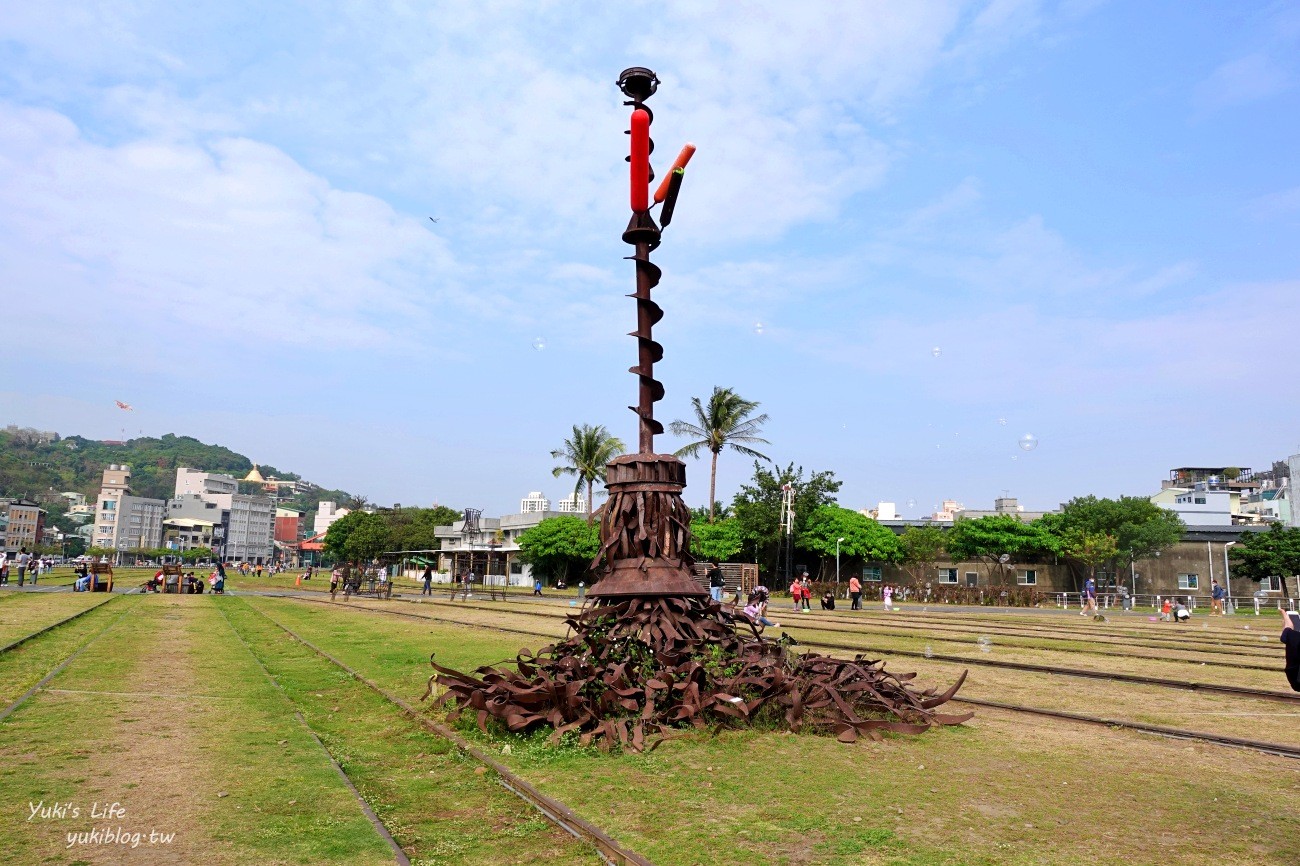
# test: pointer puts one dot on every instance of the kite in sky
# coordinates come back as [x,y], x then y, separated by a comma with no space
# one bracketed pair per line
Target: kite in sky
[127,406]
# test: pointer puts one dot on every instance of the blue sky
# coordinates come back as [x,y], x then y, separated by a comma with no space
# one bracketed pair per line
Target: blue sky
[219,214]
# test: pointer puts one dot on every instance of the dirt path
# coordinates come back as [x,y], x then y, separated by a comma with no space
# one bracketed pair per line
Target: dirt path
[142,735]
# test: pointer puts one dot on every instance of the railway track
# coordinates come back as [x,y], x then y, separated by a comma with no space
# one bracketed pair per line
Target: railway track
[825,624]
[1184,638]
[52,626]
[4,713]
[1279,749]
[1054,670]
[554,810]
[1186,642]
[403,859]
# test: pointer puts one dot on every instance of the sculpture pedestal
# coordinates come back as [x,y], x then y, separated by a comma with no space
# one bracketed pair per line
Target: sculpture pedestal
[645,532]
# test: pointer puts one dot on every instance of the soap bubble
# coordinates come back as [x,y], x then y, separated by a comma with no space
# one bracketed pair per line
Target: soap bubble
[1015,456]
[911,503]
[1002,421]
[758,328]
[1028,442]
[539,343]
[985,643]
[929,653]
[936,351]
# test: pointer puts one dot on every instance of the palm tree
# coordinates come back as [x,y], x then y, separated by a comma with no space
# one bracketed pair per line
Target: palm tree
[723,424]
[586,455]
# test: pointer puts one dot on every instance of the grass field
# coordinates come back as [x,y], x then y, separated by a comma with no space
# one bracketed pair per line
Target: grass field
[203,718]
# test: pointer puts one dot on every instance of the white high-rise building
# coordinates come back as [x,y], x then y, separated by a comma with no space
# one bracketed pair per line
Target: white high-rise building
[534,503]
[574,503]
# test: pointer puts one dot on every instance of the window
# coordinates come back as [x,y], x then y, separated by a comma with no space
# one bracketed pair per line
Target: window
[1271,584]
[1028,577]
[871,574]
[947,575]
[1188,581]
[1200,500]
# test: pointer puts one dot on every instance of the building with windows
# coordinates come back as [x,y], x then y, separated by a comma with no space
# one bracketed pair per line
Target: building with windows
[575,503]
[26,523]
[327,513]
[195,482]
[250,529]
[194,522]
[123,521]
[534,503]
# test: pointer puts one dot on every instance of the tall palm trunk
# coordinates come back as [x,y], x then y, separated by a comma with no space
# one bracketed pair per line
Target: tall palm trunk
[713,480]
[589,502]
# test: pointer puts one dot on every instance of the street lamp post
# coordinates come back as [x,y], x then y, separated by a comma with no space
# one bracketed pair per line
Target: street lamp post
[1227,579]
[837,562]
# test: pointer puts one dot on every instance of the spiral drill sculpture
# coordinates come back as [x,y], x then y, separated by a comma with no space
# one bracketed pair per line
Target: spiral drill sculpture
[653,653]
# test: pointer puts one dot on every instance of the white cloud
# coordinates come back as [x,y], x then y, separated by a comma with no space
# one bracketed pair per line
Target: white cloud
[1246,79]
[1276,204]
[231,240]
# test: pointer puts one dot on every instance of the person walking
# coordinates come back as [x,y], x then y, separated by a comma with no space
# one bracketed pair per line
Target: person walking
[717,582]
[537,586]
[888,595]
[335,577]
[1216,597]
[1089,598]
[23,559]
[1166,609]
[427,578]
[855,593]
[807,593]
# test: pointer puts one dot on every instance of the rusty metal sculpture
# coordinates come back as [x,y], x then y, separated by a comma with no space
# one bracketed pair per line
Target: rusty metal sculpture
[653,653]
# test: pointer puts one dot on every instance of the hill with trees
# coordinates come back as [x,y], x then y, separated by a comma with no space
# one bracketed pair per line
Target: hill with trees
[35,465]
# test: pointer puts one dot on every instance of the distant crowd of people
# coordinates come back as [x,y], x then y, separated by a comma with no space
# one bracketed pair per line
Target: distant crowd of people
[27,566]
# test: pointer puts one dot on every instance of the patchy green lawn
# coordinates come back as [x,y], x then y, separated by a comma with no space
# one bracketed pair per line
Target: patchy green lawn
[1001,789]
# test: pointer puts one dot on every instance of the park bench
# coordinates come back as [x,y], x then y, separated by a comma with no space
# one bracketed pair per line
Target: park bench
[96,583]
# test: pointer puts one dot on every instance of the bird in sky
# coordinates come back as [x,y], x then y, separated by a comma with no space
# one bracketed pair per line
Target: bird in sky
[127,406]
[433,219]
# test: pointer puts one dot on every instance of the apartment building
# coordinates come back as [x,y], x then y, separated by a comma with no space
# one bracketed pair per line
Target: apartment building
[26,523]
[123,521]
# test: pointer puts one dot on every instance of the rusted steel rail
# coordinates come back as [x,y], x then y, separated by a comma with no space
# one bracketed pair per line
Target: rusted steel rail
[554,810]
[1191,640]
[1177,733]
[52,626]
[1137,679]
[57,670]
[1109,648]
[403,859]
[1163,730]
[1155,643]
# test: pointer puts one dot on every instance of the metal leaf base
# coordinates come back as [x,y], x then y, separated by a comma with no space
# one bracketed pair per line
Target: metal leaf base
[636,670]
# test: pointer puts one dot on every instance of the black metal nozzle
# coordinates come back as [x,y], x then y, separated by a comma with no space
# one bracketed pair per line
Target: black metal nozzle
[638,83]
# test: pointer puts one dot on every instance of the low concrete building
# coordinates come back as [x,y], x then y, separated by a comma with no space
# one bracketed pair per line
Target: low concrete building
[327,513]
[194,482]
